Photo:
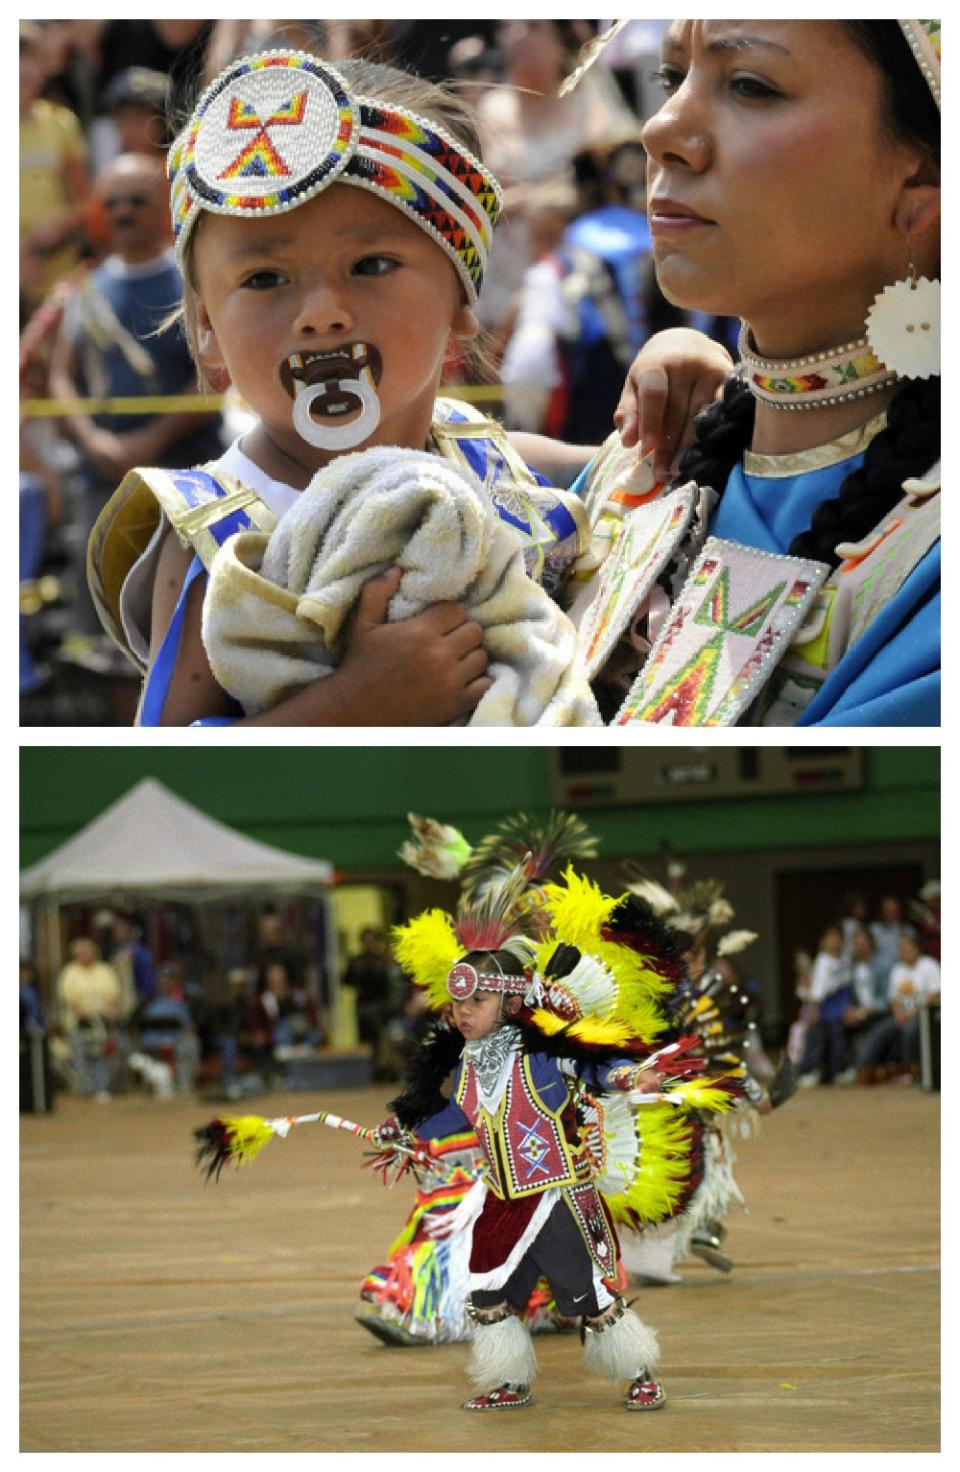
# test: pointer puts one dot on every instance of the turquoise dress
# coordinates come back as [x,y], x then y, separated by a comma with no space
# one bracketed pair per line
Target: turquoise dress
[891,675]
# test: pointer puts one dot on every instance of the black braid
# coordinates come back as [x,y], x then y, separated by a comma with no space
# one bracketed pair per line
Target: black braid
[908,446]
[724,431]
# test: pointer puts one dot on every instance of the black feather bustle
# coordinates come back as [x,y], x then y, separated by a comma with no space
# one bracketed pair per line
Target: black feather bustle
[562,1045]
[430,1063]
[633,923]
[562,962]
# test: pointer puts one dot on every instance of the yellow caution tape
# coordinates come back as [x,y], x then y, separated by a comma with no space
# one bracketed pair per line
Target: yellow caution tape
[201,403]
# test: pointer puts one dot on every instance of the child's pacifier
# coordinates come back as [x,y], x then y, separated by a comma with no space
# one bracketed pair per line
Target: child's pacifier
[330,385]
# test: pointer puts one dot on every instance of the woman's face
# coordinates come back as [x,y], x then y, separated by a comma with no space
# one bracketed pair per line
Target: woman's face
[773,188]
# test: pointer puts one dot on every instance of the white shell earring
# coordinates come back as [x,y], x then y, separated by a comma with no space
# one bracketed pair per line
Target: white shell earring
[903,326]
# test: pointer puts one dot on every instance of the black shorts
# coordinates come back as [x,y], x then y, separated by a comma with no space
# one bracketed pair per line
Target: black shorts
[559,1254]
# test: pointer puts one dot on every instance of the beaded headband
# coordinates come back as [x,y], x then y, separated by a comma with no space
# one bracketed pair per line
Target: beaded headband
[465,979]
[273,130]
[923,38]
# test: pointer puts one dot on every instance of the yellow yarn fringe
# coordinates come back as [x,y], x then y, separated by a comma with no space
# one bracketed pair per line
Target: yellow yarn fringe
[579,910]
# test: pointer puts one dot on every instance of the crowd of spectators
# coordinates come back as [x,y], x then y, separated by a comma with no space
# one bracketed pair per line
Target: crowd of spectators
[569,295]
[115,1020]
[873,983]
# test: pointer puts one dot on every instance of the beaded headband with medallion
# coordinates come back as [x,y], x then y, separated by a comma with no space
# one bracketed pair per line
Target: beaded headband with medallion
[276,129]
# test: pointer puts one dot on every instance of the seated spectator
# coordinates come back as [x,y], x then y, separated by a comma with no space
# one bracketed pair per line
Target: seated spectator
[91,1004]
[35,1083]
[281,1017]
[166,1027]
[376,980]
[926,912]
[892,1045]
[869,1002]
[31,1010]
[856,916]
[115,340]
[830,996]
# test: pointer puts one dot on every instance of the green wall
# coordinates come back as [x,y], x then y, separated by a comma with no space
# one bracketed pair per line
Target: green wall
[348,804]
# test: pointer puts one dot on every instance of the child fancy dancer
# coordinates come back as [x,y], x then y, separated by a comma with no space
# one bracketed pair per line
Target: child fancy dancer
[332,228]
[581,1118]
[417,1295]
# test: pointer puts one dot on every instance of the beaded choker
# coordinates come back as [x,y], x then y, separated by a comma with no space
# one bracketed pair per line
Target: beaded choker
[815,382]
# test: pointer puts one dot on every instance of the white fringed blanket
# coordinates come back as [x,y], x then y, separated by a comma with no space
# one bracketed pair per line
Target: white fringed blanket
[276,607]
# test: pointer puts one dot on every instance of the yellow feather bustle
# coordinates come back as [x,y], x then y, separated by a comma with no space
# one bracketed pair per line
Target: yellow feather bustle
[579,910]
[662,1177]
[426,948]
[702,1094]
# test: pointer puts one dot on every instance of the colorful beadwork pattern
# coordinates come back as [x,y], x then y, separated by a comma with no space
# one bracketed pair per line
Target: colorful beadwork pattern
[274,130]
[737,614]
[847,372]
[648,538]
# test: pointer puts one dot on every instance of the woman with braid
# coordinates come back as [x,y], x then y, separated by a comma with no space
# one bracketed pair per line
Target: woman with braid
[789,575]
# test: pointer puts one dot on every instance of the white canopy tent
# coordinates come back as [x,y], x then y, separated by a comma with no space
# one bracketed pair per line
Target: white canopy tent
[152,845]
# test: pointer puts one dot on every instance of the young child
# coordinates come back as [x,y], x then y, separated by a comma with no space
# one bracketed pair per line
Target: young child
[553,1047]
[332,228]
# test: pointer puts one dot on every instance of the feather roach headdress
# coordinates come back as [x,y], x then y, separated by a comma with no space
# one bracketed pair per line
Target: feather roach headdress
[440,851]
[542,845]
[435,948]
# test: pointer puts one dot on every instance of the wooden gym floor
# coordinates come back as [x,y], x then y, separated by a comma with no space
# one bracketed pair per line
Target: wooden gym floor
[160,1314]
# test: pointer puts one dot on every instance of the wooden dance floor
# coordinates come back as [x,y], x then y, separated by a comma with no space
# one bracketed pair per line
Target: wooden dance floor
[160,1314]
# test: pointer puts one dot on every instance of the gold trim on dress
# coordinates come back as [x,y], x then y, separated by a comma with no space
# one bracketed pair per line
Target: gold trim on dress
[780,467]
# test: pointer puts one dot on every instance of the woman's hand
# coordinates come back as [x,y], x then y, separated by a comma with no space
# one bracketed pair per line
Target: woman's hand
[675,374]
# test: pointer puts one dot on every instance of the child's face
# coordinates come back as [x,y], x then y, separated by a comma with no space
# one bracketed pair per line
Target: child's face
[346,271]
[478,1015]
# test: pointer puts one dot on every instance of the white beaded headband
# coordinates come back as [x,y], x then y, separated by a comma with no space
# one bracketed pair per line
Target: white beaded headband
[275,129]
[465,979]
[923,38]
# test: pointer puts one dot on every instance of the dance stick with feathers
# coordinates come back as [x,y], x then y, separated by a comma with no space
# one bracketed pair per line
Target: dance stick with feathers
[241,1137]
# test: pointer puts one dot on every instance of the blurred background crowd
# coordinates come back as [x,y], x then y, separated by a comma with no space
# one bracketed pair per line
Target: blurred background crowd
[116,1018]
[569,297]
[870,994]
